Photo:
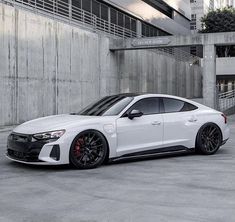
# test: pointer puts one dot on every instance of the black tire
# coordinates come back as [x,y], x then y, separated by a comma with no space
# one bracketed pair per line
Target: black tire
[209,139]
[88,150]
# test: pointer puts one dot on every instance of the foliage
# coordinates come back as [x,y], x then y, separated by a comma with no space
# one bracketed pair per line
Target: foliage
[220,20]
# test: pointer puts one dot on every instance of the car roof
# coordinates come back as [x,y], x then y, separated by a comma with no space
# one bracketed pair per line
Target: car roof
[138,96]
[144,95]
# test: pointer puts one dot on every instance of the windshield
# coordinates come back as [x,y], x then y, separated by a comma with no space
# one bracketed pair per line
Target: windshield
[107,106]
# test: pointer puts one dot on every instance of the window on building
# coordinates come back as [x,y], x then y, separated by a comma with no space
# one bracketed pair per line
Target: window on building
[76,8]
[193,27]
[96,8]
[77,4]
[193,50]
[48,5]
[86,5]
[127,22]
[225,51]
[62,7]
[150,31]
[104,12]
[133,25]
[120,19]
[193,22]
[113,16]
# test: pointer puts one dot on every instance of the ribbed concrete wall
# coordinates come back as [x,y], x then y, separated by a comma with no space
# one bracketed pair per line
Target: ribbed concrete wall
[48,67]
[157,72]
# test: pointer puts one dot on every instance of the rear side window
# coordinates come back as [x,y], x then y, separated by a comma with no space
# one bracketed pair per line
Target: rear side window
[175,105]
[147,106]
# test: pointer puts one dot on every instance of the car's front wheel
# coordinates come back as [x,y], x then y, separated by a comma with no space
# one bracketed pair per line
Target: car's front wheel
[209,139]
[88,150]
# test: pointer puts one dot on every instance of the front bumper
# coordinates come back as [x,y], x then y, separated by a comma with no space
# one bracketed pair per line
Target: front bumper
[25,149]
[22,147]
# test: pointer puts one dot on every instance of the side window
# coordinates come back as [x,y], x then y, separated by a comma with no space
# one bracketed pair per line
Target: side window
[147,106]
[188,107]
[175,105]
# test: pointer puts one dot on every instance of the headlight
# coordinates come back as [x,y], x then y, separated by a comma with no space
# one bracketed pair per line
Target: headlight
[49,135]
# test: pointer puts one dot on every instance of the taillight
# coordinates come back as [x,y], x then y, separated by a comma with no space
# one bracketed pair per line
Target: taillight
[225,118]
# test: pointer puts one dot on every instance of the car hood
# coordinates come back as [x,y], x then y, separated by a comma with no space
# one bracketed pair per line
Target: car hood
[55,122]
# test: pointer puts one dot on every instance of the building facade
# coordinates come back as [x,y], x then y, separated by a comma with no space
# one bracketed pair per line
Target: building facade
[55,55]
[123,18]
[201,7]
[172,17]
[225,71]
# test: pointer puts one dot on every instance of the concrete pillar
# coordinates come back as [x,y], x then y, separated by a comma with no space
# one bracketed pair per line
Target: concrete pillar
[209,76]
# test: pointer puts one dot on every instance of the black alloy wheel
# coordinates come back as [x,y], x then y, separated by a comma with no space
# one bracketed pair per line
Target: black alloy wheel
[209,139]
[88,150]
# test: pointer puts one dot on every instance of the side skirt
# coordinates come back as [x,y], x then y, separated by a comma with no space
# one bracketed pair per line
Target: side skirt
[155,152]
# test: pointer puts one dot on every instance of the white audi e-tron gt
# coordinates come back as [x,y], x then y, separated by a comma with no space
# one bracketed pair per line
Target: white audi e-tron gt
[119,126]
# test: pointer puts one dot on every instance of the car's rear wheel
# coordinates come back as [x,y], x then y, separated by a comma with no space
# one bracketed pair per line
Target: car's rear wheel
[88,150]
[209,139]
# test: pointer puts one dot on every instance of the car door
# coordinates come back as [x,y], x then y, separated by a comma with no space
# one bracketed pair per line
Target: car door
[181,123]
[140,133]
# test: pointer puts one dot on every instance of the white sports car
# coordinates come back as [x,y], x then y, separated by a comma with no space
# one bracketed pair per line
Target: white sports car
[119,126]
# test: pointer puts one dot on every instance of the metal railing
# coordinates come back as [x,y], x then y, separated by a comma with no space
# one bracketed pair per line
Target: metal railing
[65,10]
[221,87]
[179,54]
[226,100]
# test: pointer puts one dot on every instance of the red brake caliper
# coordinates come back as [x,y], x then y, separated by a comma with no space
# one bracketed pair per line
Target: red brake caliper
[77,148]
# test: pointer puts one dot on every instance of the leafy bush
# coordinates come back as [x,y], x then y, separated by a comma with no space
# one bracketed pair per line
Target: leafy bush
[220,20]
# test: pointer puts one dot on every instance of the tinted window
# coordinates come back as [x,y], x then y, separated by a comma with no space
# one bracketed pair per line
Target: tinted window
[188,107]
[175,105]
[118,107]
[107,106]
[147,106]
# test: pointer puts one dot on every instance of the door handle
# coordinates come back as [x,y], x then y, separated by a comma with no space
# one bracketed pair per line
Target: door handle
[192,120]
[155,123]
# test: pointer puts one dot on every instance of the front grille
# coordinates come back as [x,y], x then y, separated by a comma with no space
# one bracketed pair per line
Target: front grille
[21,137]
[22,147]
[15,154]
[28,157]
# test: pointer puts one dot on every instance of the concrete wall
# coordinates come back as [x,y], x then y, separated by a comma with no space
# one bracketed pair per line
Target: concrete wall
[48,67]
[225,66]
[157,72]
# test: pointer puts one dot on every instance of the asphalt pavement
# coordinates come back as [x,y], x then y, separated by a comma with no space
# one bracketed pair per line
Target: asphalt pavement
[182,188]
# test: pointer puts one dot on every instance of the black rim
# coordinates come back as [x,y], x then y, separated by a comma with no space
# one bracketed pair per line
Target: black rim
[210,138]
[88,149]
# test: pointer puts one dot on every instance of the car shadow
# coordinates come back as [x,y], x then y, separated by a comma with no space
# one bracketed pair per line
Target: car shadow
[111,162]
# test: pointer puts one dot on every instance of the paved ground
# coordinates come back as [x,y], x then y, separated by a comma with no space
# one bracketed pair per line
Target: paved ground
[178,188]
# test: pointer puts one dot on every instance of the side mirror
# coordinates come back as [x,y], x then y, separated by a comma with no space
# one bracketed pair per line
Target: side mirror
[134,113]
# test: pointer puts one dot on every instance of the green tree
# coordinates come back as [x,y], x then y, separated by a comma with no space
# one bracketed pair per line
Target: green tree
[220,20]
